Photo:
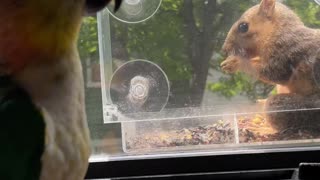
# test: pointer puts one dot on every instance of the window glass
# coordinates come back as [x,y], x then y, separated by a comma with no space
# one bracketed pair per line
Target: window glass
[180,75]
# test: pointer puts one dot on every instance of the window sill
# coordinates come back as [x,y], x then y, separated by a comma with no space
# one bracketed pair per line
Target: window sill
[279,163]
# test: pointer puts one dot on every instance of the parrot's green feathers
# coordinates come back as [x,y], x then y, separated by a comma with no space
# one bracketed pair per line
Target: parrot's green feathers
[22,132]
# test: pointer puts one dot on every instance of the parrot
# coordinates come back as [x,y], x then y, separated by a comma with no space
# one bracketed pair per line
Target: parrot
[44,133]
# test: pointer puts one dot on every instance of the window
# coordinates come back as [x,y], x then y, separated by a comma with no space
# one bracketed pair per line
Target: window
[159,85]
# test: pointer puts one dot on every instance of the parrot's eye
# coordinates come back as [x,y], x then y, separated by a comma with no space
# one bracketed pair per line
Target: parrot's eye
[243,27]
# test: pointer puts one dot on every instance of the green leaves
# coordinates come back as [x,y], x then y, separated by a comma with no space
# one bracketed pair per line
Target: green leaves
[88,39]
[240,84]
[308,11]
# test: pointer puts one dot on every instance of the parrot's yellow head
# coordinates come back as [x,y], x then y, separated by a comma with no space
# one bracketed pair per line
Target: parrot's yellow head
[40,31]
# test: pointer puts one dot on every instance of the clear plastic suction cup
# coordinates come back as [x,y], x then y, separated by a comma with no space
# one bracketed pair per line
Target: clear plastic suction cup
[135,11]
[317,1]
[139,86]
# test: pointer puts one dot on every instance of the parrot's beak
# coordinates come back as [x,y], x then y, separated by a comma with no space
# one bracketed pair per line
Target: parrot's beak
[94,6]
[117,5]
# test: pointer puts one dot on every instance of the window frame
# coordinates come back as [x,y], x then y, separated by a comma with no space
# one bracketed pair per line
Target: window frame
[271,162]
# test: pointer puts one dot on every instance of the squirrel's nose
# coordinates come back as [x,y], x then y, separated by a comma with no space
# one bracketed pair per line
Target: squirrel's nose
[229,45]
[226,48]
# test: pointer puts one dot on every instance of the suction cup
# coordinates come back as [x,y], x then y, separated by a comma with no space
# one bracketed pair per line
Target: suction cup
[317,1]
[139,86]
[135,11]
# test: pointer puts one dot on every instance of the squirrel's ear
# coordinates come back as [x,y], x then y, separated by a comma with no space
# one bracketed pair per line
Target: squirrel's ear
[267,7]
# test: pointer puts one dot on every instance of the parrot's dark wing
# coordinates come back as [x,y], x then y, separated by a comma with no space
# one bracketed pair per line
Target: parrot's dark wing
[22,132]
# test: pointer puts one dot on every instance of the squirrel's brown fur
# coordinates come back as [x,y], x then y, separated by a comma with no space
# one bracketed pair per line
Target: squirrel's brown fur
[279,49]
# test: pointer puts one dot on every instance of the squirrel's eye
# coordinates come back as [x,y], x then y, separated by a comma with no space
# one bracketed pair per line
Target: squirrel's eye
[243,27]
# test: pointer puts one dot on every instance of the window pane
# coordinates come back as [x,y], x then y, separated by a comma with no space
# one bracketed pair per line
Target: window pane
[158,80]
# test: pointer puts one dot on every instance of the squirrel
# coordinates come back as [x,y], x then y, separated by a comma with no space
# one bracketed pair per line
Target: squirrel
[271,43]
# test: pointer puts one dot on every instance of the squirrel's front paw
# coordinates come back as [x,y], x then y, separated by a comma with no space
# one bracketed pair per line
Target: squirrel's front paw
[231,64]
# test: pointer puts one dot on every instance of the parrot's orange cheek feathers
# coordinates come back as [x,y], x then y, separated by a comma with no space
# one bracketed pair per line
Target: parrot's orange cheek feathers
[13,54]
[16,58]
[15,62]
